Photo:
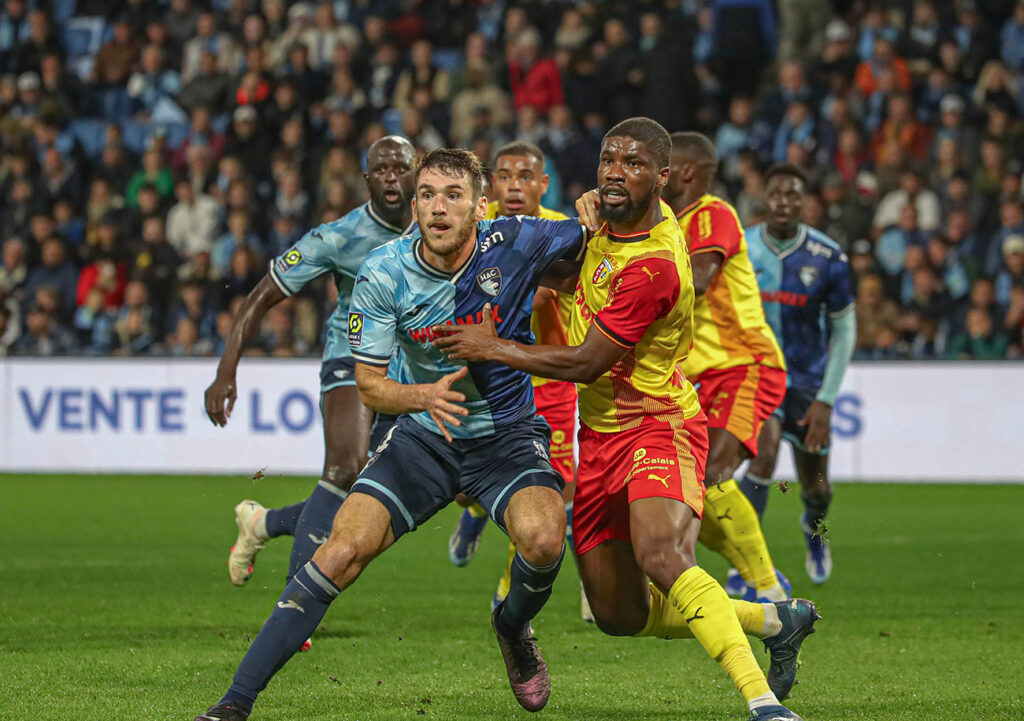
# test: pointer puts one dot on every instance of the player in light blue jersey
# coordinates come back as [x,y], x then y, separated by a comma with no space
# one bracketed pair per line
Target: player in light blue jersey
[805,286]
[337,248]
[464,428]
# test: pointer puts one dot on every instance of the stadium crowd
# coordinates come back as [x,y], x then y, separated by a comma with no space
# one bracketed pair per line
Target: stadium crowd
[156,155]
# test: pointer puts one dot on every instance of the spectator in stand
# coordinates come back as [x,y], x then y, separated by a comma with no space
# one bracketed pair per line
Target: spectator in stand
[14,271]
[1011,275]
[44,335]
[155,262]
[876,313]
[1011,216]
[192,221]
[248,143]
[981,341]
[56,272]
[792,87]
[744,35]
[884,59]
[114,63]
[1014,322]
[10,329]
[891,249]
[534,80]
[480,97]
[41,41]
[238,235]
[901,126]
[947,266]
[153,173]
[94,325]
[910,193]
[421,73]
[1013,39]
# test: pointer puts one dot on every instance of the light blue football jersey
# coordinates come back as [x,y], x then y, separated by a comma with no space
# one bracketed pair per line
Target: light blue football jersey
[340,248]
[398,297]
[802,287]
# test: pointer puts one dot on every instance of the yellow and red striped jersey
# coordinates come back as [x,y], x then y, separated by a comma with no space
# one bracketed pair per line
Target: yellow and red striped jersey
[638,291]
[729,325]
[549,322]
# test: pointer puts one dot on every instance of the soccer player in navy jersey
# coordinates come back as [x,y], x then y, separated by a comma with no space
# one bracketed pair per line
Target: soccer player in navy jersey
[804,278]
[337,248]
[463,428]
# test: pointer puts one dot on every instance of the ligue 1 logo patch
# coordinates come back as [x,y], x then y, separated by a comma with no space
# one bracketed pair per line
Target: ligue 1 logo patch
[355,329]
[489,281]
[808,274]
[289,260]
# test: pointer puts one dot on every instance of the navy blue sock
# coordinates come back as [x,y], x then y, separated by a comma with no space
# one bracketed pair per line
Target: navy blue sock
[314,524]
[530,590]
[756,490]
[569,540]
[298,612]
[815,509]
[282,521]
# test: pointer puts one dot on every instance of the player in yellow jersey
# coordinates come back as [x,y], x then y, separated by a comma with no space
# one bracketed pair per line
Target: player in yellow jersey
[518,183]
[736,363]
[643,442]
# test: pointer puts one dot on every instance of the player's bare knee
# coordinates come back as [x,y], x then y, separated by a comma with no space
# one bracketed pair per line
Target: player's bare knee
[613,622]
[340,558]
[664,562]
[540,542]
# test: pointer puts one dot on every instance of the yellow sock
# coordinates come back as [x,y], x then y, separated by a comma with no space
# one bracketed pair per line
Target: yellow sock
[712,535]
[477,511]
[506,578]
[709,614]
[742,529]
[664,621]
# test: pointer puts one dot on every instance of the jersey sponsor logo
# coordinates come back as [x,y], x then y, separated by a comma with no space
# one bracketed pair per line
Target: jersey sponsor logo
[640,453]
[288,261]
[784,297]
[817,248]
[808,274]
[580,299]
[490,241]
[489,280]
[355,329]
[424,334]
[603,270]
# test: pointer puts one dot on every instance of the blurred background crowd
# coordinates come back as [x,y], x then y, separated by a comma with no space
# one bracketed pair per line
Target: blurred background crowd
[156,154]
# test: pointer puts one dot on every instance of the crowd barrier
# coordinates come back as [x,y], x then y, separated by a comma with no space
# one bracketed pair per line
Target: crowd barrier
[905,422]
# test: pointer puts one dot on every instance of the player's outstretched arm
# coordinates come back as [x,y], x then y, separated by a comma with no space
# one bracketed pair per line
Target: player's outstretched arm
[221,395]
[705,266]
[380,393]
[584,363]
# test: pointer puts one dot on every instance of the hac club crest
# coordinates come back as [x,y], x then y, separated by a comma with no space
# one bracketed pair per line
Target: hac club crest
[489,280]
[808,274]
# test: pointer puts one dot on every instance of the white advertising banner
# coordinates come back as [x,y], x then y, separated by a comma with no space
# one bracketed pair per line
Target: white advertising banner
[909,422]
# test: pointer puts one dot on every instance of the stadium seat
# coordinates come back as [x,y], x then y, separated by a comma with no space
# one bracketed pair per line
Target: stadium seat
[90,133]
[63,10]
[81,38]
[134,134]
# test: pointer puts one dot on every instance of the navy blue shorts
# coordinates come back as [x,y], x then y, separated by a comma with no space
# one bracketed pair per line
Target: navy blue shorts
[416,472]
[792,410]
[382,423]
[336,373]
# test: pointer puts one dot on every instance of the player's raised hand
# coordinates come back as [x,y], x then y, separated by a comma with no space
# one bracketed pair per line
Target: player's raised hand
[818,420]
[220,400]
[586,207]
[439,401]
[468,341]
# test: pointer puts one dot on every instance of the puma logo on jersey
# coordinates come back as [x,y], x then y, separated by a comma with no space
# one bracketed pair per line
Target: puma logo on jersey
[291,604]
[696,615]
[650,274]
[652,477]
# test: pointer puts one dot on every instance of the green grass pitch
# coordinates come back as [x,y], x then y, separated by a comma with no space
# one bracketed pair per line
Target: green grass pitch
[115,604]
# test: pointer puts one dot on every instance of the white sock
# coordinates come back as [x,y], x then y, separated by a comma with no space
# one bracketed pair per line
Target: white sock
[767,699]
[772,624]
[259,526]
[775,593]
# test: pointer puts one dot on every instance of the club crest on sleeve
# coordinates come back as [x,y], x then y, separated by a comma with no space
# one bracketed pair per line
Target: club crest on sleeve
[808,274]
[288,261]
[489,280]
[355,329]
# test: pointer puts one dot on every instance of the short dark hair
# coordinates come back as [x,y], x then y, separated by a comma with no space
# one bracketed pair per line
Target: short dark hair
[785,169]
[520,147]
[454,162]
[649,132]
[696,145]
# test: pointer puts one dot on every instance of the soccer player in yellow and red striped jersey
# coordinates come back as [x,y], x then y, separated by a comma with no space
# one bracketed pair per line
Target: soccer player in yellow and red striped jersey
[643,442]
[736,363]
[518,182]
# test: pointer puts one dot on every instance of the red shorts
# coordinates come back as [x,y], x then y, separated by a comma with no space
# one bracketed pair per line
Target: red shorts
[658,459]
[556,403]
[740,399]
